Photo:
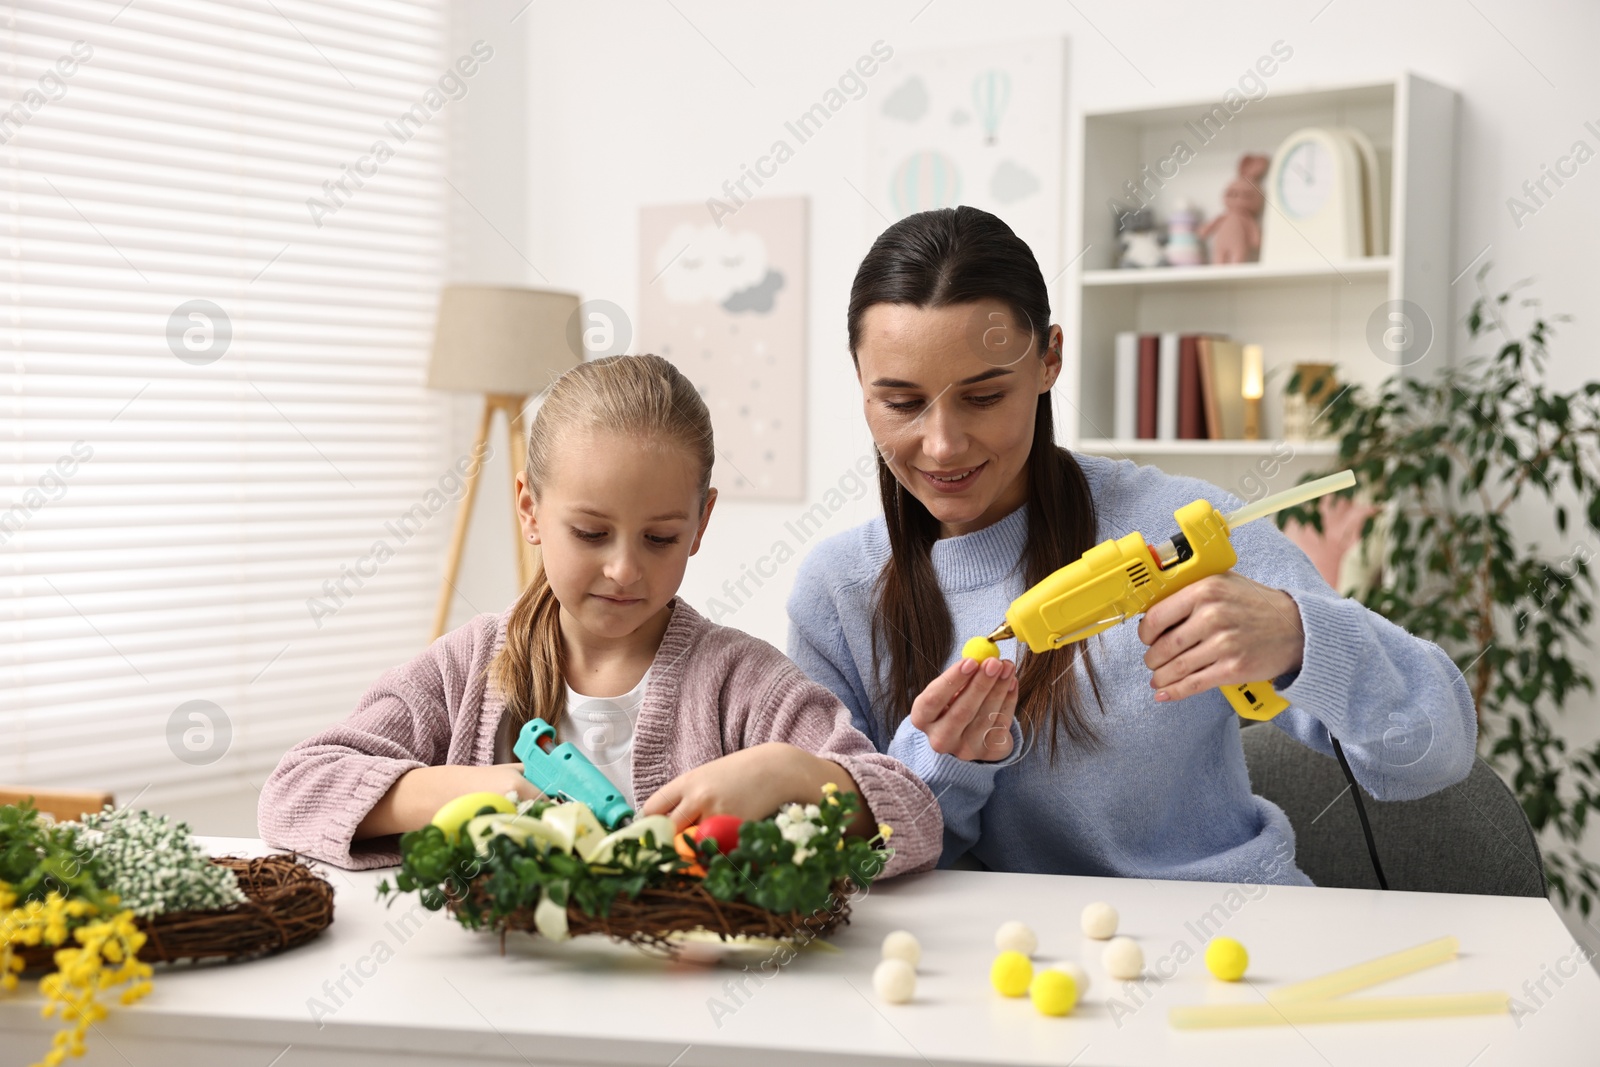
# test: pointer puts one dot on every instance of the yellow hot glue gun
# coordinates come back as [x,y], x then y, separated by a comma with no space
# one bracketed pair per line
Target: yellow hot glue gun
[1121,578]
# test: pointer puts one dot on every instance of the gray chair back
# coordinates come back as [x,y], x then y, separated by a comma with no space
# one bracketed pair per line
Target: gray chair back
[1472,837]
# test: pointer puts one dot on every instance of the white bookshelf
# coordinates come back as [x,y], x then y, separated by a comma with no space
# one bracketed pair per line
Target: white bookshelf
[1131,447]
[1301,313]
[1239,274]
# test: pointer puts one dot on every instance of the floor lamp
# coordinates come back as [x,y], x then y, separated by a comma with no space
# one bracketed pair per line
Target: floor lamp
[507,344]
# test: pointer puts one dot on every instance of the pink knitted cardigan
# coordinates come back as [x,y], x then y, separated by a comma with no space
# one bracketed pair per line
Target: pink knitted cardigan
[712,690]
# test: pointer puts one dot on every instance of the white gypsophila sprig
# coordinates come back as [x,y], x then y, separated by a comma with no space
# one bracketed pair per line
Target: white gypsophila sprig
[152,863]
[799,824]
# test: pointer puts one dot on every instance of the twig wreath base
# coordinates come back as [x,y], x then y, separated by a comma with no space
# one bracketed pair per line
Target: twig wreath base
[652,919]
[289,905]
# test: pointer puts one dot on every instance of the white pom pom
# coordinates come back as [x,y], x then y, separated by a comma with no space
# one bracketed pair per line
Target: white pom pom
[902,945]
[1079,975]
[1099,920]
[1016,937]
[1123,958]
[895,981]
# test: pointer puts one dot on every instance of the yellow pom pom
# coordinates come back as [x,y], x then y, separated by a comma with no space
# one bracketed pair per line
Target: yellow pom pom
[980,649]
[1053,992]
[1011,974]
[1226,959]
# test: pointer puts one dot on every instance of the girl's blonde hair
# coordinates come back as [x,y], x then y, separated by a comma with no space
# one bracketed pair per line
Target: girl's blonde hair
[640,396]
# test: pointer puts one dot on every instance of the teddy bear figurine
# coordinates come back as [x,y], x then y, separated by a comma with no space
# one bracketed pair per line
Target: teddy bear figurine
[1235,235]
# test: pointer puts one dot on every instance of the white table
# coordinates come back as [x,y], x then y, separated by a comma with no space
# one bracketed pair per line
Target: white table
[434,993]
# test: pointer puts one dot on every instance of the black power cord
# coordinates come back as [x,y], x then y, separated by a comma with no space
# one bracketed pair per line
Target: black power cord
[1361,812]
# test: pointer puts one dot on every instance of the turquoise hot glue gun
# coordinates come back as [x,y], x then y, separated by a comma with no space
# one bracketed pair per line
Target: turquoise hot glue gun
[567,773]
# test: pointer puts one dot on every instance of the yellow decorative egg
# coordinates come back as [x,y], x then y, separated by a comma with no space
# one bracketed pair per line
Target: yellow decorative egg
[1226,958]
[454,814]
[1053,992]
[980,649]
[1011,974]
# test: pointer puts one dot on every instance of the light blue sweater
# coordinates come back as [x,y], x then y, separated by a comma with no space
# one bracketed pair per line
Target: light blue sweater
[1167,795]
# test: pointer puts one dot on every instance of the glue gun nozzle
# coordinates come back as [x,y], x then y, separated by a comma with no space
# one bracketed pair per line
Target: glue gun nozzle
[1003,632]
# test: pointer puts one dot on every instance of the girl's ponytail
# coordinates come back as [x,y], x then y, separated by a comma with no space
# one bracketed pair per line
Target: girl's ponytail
[531,668]
[643,396]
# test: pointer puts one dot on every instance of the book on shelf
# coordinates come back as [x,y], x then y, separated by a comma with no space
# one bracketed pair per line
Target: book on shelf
[1167,389]
[1222,380]
[1149,366]
[1191,405]
[1125,423]
[1177,387]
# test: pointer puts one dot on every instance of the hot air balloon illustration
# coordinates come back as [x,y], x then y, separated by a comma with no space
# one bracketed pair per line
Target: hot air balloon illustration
[923,181]
[991,92]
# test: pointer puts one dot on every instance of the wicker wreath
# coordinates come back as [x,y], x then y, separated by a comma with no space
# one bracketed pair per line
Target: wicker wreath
[288,905]
[682,905]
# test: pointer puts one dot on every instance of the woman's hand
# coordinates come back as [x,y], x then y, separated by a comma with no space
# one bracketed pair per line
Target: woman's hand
[752,784]
[967,711]
[1222,630]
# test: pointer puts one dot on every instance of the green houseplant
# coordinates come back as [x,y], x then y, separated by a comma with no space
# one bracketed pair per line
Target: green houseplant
[1443,457]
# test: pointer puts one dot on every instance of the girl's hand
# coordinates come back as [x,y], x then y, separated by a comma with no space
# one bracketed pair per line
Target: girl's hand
[513,779]
[967,711]
[1222,630]
[751,784]
[414,798]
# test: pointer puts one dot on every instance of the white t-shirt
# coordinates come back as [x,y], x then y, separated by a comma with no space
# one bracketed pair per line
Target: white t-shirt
[599,727]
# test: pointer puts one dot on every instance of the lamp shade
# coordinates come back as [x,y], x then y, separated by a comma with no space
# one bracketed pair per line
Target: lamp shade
[501,339]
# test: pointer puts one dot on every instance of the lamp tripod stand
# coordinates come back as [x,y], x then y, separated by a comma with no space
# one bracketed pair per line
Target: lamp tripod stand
[504,343]
[511,406]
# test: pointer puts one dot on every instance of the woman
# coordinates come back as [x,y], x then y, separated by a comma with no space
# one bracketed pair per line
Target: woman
[1116,756]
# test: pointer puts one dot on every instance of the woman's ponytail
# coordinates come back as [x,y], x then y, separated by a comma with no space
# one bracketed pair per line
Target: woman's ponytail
[936,259]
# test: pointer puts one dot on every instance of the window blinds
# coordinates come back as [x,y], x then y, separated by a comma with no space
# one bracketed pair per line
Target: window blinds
[223,486]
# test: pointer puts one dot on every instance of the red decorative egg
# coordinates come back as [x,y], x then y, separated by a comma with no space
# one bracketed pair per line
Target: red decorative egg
[723,829]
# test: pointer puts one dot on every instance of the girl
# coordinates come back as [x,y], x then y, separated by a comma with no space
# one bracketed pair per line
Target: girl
[949,328]
[689,719]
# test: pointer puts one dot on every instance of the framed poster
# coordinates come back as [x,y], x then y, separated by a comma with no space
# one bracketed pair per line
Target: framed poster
[725,301]
[982,125]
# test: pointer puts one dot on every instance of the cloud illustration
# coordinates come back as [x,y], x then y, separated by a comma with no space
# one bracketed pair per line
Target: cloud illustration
[699,263]
[757,298]
[1012,182]
[909,102]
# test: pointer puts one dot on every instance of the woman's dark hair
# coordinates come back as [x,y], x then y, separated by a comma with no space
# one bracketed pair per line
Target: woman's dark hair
[936,259]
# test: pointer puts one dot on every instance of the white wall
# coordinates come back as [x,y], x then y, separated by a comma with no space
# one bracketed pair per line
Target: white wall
[635,103]
[629,103]
[490,213]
